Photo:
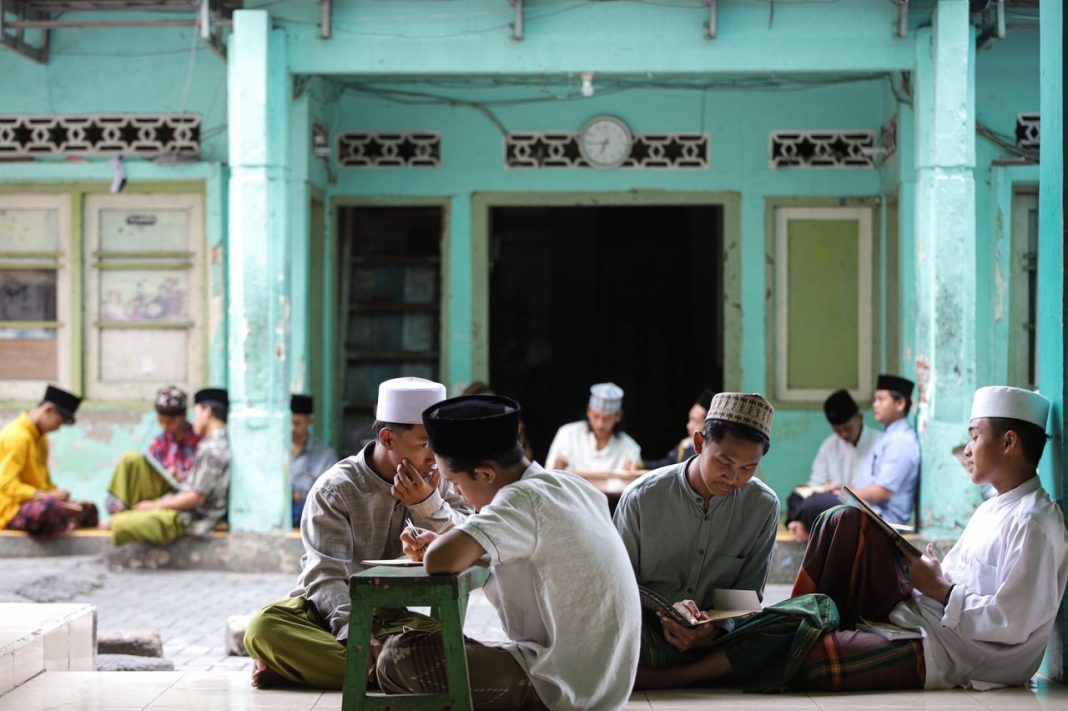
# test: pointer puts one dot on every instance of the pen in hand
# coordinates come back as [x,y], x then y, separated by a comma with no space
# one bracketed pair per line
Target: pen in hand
[413,532]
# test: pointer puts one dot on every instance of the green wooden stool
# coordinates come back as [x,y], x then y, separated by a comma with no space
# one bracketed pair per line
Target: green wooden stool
[391,586]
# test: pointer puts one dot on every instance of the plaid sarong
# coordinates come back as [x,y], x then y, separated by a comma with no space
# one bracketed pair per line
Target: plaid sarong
[851,560]
[857,565]
[768,649]
[851,660]
[45,518]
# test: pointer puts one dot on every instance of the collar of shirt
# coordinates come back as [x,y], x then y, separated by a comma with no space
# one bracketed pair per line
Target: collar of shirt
[363,463]
[685,491]
[899,425]
[27,423]
[1014,495]
[311,446]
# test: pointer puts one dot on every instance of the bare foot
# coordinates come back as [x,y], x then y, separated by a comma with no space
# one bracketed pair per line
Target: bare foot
[104,526]
[263,677]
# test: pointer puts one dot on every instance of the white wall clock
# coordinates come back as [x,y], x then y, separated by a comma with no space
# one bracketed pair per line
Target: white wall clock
[605,142]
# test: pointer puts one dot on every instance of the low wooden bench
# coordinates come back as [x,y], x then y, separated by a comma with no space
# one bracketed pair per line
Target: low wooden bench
[391,586]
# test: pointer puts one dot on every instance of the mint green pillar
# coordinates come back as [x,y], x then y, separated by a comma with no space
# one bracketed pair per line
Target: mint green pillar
[258,93]
[1051,268]
[945,260]
[299,255]
[466,356]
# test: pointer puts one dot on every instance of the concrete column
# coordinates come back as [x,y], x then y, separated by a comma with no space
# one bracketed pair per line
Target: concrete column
[944,363]
[299,256]
[1051,268]
[258,94]
[468,350]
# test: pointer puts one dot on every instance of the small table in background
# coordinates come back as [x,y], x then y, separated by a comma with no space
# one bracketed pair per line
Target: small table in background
[612,483]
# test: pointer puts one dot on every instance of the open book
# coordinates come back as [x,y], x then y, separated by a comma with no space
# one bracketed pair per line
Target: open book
[400,562]
[888,630]
[848,496]
[161,470]
[726,604]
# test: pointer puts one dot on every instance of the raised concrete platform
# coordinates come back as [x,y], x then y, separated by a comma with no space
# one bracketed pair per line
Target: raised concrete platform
[52,637]
[278,553]
[236,552]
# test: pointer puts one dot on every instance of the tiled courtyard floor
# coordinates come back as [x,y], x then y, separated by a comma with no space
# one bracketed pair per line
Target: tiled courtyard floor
[190,608]
[229,691]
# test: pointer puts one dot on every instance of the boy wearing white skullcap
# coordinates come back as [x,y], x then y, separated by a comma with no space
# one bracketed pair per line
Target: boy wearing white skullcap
[598,443]
[989,607]
[984,614]
[355,511]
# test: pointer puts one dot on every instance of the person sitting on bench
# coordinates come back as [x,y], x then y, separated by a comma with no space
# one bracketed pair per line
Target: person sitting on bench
[198,504]
[29,500]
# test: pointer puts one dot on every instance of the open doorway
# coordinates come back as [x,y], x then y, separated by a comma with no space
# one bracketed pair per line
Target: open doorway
[580,295]
[389,297]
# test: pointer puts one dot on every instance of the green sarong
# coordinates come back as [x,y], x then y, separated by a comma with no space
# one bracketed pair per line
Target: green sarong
[151,526]
[766,651]
[292,639]
[135,480]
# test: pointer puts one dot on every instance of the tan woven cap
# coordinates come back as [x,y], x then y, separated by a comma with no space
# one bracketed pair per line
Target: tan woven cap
[749,409]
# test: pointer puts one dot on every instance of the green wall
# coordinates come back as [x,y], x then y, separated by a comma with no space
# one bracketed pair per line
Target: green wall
[149,76]
[738,123]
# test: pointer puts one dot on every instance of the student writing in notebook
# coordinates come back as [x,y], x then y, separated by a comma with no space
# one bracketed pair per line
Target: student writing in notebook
[354,511]
[560,580]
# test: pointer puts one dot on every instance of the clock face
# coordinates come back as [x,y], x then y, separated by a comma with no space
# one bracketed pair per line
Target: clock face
[605,142]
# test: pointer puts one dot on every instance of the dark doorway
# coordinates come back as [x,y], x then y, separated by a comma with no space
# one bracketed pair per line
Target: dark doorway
[580,295]
[389,306]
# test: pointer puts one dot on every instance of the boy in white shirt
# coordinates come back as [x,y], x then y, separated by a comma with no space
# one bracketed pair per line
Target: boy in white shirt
[562,582]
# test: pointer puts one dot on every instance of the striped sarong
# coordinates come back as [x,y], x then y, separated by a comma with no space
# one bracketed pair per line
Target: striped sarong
[853,562]
[850,660]
[856,564]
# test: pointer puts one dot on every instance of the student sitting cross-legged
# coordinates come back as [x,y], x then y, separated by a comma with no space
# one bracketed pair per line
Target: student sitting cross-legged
[984,614]
[159,514]
[561,582]
[354,512]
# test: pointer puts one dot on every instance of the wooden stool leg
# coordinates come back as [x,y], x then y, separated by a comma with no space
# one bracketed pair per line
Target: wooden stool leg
[357,654]
[452,641]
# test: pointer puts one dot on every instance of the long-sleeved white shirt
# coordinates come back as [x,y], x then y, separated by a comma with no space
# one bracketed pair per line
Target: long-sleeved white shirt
[837,461]
[578,445]
[1009,567]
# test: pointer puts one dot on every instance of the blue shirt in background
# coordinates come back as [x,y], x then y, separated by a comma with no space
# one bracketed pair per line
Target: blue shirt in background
[894,464]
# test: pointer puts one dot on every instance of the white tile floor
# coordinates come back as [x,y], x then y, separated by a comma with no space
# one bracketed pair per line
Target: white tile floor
[230,691]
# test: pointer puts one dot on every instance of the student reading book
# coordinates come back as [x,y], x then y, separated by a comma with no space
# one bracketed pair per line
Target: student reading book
[726,604]
[850,498]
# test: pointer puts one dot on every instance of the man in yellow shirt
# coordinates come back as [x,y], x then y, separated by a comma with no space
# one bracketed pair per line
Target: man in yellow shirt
[29,501]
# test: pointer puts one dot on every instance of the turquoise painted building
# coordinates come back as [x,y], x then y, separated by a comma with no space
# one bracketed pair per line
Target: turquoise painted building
[794,198]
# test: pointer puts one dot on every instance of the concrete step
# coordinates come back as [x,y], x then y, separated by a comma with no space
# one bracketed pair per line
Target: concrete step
[136,642]
[132,663]
[236,552]
[44,637]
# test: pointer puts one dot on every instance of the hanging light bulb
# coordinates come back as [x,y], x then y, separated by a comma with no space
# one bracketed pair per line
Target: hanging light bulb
[587,83]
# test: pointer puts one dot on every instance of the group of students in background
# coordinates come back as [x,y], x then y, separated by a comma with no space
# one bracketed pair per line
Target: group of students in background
[177,487]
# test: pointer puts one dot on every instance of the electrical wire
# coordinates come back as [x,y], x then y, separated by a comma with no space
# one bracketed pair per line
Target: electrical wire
[1004,142]
[189,72]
